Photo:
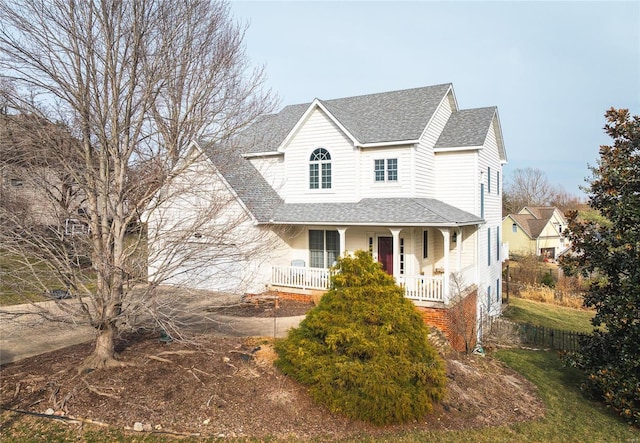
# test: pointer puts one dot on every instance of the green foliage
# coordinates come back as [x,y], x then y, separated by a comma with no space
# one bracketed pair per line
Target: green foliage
[611,357]
[548,280]
[364,350]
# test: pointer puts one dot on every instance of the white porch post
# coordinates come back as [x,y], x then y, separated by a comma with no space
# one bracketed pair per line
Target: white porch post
[395,233]
[342,231]
[447,246]
[459,250]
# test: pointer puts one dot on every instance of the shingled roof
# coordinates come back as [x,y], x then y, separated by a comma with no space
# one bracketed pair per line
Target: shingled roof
[374,118]
[388,116]
[249,185]
[530,225]
[534,220]
[375,211]
[269,131]
[468,127]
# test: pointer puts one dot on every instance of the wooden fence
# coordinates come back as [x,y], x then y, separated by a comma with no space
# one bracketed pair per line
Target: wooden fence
[550,338]
[502,329]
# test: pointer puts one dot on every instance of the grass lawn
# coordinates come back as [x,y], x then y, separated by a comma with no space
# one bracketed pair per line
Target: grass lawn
[18,283]
[570,417]
[548,315]
[24,280]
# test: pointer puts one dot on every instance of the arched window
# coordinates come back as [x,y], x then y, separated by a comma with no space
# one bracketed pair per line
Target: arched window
[320,169]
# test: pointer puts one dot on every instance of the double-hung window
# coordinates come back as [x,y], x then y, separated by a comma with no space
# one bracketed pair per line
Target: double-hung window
[385,170]
[323,248]
[320,169]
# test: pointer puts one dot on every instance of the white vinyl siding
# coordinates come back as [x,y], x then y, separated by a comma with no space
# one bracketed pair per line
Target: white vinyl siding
[489,163]
[425,167]
[456,179]
[202,237]
[319,131]
[370,157]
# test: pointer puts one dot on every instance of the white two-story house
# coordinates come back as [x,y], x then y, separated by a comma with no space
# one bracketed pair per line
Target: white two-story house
[405,175]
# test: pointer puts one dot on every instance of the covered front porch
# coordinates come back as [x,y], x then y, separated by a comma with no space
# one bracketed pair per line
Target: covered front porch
[432,264]
[422,289]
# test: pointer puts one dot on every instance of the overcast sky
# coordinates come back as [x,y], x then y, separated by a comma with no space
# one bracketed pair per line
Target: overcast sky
[551,68]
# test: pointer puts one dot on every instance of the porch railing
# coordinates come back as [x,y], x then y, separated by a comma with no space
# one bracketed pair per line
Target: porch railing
[299,277]
[420,288]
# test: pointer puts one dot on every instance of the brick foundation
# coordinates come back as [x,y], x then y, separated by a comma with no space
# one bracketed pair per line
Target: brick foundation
[457,322]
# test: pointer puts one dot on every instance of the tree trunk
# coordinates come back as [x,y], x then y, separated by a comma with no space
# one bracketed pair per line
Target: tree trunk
[103,355]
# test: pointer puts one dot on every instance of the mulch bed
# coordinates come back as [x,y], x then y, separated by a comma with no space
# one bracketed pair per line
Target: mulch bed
[265,307]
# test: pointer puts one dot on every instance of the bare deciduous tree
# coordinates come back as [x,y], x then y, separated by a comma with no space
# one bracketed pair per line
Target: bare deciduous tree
[462,315]
[530,187]
[526,187]
[132,82]
[566,201]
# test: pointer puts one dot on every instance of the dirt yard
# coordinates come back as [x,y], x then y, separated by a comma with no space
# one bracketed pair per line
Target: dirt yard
[228,387]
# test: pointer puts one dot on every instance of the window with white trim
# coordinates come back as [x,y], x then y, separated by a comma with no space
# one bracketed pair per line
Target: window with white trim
[323,248]
[320,169]
[385,170]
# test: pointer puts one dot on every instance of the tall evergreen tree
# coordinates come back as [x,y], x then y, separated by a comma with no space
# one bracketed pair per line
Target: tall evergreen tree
[610,356]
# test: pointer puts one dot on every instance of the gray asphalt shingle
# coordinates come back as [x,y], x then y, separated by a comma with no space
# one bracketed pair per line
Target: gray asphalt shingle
[380,211]
[468,127]
[373,118]
[250,186]
[388,116]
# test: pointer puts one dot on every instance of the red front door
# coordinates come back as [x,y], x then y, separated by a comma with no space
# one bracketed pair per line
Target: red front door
[385,253]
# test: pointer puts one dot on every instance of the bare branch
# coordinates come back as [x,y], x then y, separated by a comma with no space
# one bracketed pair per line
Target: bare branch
[100,102]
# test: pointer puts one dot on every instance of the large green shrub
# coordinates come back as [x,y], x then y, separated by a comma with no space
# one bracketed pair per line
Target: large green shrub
[363,351]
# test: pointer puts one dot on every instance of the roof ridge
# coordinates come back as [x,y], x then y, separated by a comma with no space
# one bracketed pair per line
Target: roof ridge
[373,94]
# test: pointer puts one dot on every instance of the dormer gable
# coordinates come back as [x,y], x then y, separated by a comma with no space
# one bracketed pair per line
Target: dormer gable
[315,105]
[382,119]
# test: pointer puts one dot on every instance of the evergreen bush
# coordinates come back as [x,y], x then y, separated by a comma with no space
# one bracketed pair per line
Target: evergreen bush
[364,350]
[548,280]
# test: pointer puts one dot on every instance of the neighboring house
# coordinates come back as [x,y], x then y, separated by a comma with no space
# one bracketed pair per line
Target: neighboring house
[35,186]
[405,175]
[537,230]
